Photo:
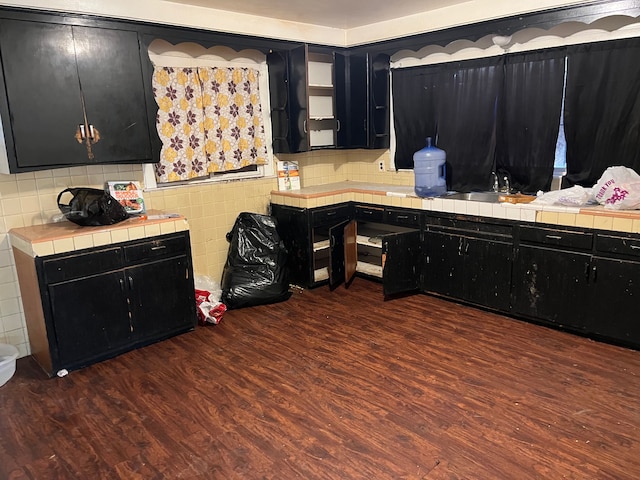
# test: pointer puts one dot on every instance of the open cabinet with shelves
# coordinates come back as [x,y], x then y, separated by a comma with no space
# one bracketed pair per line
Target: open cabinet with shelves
[346,239]
[322,121]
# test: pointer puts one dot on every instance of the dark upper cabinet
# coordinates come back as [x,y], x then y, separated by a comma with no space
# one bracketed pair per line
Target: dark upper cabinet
[369,98]
[298,83]
[323,99]
[64,80]
[279,100]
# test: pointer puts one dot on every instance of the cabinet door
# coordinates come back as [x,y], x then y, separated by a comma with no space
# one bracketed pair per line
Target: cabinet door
[162,299]
[444,263]
[279,99]
[337,256]
[551,285]
[293,228]
[379,124]
[487,272]
[299,122]
[401,264]
[90,319]
[341,98]
[615,296]
[369,90]
[358,101]
[41,78]
[110,74]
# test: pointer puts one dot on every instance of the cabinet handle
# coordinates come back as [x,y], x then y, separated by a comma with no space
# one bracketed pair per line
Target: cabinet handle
[330,214]
[586,271]
[364,124]
[337,125]
[159,247]
[460,243]
[402,217]
[130,282]
[122,284]
[304,126]
[595,273]
[553,237]
[367,212]
[635,247]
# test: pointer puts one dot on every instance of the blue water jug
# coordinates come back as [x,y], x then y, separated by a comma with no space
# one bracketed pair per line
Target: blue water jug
[429,165]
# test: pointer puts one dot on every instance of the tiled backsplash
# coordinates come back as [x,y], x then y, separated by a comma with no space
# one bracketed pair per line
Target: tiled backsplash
[211,209]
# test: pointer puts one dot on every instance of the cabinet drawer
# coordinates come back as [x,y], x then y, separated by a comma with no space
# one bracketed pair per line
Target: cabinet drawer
[402,217]
[156,248]
[82,265]
[556,237]
[618,245]
[324,216]
[365,213]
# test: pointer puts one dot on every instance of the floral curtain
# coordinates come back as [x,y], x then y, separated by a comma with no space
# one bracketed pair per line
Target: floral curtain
[209,120]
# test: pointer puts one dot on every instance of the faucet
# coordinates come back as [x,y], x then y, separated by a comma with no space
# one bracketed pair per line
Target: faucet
[496,185]
[506,188]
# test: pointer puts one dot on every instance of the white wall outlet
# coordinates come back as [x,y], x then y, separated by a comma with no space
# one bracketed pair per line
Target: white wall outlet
[381,166]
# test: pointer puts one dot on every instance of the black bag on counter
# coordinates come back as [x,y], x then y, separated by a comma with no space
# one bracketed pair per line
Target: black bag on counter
[92,207]
[255,272]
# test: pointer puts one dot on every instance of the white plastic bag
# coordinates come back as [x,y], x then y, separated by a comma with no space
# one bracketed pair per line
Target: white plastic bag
[618,189]
[573,197]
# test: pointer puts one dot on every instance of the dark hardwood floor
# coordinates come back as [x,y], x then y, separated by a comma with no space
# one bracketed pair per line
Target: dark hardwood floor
[335,385]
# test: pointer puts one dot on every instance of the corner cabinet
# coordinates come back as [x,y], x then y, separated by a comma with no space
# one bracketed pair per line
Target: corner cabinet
[326,99]
[100,302]
[74,95]
[343,240]
[307,95]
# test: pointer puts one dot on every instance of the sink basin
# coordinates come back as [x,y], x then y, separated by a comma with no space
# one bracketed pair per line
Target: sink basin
[489,197]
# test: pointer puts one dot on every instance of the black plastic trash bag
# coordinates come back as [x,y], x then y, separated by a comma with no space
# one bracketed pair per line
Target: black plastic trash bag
[255,272]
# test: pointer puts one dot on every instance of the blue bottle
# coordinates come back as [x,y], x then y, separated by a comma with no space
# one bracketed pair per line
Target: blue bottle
[429,168]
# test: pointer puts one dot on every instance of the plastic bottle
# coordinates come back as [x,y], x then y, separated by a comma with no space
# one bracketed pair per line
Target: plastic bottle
[429,168]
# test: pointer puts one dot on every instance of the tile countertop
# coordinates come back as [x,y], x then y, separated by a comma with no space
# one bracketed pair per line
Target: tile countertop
[404,196]
[65,236]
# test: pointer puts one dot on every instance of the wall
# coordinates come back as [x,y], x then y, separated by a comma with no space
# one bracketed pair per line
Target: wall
[211,209]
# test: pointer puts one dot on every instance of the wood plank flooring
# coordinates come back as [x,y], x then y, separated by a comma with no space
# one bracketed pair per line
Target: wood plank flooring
[335,385]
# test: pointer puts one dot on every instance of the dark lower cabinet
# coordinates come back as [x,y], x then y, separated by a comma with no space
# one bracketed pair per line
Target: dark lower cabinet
[101,302]
[85,313]
[615,296]
[552,285]
[331,244]
[469,261]
[580,280]
[551,275]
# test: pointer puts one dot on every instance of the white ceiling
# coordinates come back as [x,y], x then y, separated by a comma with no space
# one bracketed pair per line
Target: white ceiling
[342,23]
[343,14]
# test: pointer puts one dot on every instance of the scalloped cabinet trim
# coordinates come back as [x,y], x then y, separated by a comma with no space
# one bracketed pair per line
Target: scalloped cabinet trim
[569,33]
[189,54]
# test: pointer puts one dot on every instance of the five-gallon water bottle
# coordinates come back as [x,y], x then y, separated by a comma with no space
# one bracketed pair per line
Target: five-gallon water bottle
[429,170]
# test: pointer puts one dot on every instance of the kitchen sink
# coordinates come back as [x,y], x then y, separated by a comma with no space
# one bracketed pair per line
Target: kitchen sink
[489,197]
